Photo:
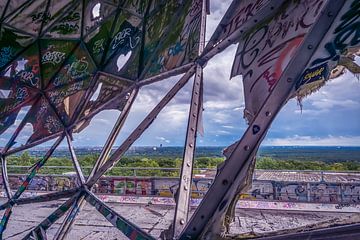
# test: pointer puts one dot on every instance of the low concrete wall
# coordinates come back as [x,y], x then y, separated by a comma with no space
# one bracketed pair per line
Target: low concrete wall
[270,190]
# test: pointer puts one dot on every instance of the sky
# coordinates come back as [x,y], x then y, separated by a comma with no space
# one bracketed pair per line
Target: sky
[329,117]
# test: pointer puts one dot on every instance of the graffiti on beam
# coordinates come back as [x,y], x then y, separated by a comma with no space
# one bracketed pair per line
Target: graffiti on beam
[267,49]
[345,35]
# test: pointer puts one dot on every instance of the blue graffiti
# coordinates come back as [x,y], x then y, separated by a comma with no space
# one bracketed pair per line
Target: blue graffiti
[6,54]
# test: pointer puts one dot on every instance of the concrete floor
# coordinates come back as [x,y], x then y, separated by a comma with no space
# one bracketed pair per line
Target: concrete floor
[154,219]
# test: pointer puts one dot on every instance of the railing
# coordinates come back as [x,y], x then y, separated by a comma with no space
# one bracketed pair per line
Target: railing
[175,172]
[115,171]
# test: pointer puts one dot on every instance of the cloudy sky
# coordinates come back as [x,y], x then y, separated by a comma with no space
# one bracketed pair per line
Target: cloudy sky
[329,117]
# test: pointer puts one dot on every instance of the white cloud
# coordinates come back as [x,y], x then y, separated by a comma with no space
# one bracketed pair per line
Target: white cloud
[297,140]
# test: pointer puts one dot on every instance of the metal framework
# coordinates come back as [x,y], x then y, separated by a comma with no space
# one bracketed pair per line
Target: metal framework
[56,64]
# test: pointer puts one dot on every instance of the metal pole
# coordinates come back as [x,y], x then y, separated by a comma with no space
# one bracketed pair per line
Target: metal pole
[114,132]
[225,184]
[5,177]
[184,190]
[74,159]
[116,156]
[66,225]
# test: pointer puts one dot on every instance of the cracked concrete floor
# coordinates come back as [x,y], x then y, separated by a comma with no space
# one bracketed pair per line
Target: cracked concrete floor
[91,225]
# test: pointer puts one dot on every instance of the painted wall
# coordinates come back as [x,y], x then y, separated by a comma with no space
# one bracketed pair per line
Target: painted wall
[315,192]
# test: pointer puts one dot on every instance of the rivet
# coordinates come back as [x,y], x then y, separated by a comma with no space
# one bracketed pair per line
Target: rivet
[310,46]
[192,129]
[330,14]
[190,145]
[182,221]
[188,164]
[194,115]
[185,188]
[289,80]
[268,114]
[246,148]
[225,182]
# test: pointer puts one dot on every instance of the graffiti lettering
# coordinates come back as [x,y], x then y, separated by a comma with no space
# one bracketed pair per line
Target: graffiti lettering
[347,34]
[98,46]
[53,57]
[78,68]
[21,94]
[121,37]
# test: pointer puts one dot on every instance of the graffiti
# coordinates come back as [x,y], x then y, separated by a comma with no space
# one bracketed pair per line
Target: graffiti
[52,124]
[41,17]
[176,49]
[267,49]
[78,68]
[6,54]
[21,94]
[53,57]
[58,96]
[68,25]
[99,46]
[162,190]
[346,34]
[126,34]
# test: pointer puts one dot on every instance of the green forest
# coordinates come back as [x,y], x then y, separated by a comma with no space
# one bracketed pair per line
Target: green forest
[124,167]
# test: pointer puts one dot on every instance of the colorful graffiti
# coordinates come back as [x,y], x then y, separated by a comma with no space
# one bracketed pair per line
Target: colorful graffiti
[267,49]
[130,187]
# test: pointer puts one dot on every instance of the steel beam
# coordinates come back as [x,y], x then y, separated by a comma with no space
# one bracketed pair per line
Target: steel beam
[47,197]
[5,178]
[184,190]
[67,223]
[224,186]
[348,232]
[116,156]
[166,75]
[132,231]
[114,132]
[74,159]
[52,218]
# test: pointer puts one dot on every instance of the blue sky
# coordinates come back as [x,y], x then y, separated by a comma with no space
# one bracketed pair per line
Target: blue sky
[329,117]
